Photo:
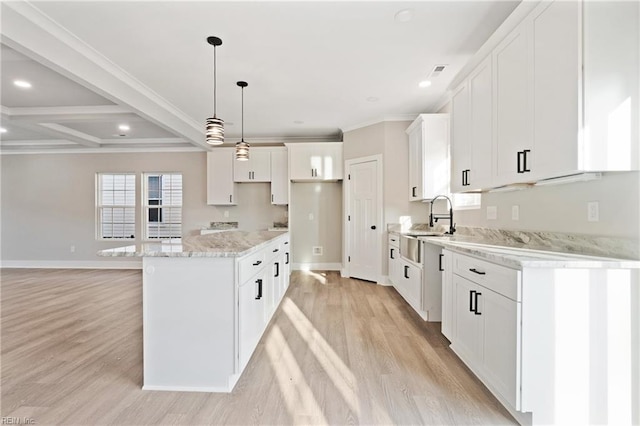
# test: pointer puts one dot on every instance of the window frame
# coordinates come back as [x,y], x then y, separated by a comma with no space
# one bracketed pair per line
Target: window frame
[100,207]
[146,207]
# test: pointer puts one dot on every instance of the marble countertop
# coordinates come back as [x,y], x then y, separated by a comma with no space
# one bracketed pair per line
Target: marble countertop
[514,256]
[220,244]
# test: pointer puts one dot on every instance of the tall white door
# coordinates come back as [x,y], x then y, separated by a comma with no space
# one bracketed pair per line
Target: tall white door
[363,221]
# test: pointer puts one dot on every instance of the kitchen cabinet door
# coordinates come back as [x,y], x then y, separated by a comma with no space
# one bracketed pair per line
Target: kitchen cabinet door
[447,295]
[512,108]
[256,169]
[410,284]
[315,161]
[467,334]
[431,302]
[251,315]
[221,189]
[394,265]
[279,177]
[500,344]
[460,149]
[481,126]
[429,157]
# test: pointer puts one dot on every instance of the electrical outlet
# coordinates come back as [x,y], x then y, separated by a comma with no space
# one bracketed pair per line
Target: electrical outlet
[593,211]
[515,212]
[317,250]
[310,216]
[226,213]
[492,212]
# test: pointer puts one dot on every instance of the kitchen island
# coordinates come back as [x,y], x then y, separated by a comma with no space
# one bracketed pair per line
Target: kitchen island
[206,301]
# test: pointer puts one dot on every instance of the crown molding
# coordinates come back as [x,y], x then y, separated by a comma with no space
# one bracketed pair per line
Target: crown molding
[101,150]
[26,29]
[398,117]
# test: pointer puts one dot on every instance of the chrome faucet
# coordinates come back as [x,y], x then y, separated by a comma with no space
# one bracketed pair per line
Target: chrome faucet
[434,217]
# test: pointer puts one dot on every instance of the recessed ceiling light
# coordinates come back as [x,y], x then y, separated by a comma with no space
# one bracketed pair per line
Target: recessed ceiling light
[123,127]
[404,15]
[22,84]
[3,130]
[372,99]
[424,83]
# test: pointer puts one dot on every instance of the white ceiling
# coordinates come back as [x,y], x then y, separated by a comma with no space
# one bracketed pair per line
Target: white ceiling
[315,69]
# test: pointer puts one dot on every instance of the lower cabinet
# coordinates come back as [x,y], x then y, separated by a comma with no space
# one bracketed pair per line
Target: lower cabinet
[251,307]
[409,284]
[447,294]
[482,321]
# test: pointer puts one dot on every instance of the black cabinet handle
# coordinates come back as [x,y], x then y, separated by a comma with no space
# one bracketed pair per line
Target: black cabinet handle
[275,250]
[406,271]
[519,161]
[230,198]
[257,263]
[474,270]
[287,262]
[277,270]
[471,293]
[259,282]
[463,173]
[525,169]
[440,262]
[465,177]
[391,254]
[286,242]
[393,239]
[373,227]
[413,191]
[475,311]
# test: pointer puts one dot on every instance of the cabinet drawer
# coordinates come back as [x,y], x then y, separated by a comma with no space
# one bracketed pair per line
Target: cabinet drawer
[394,240]
[251,264]
[502,280]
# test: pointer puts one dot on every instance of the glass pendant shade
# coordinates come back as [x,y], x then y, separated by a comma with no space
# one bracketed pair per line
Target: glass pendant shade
[215,131]
[242,151]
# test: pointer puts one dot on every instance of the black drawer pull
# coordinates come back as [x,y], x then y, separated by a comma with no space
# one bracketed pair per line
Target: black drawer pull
[475,311]
[406,271]
[257,263]
[440,262]
[471,293]
[391,255]
[413,191]
[474,270]
[287,262]
[277,270]
[259,296]
[275,250]
[286,242]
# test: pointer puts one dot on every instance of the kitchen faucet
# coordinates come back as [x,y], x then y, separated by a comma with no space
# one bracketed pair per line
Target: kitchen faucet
[434,217]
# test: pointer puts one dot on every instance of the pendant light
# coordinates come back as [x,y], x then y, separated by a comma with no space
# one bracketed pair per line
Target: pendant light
[242,148]
[215,125]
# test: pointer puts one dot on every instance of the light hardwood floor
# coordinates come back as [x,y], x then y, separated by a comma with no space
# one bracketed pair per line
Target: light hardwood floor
[338,351]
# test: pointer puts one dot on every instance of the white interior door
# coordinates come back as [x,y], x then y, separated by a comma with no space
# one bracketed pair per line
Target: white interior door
[364,220]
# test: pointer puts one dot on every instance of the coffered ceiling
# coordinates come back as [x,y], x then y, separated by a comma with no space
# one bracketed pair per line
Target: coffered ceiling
[315,69]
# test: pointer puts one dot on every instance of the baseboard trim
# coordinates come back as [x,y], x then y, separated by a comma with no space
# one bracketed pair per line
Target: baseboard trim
[72,264]
[316,266]
[384,280]
[217,389]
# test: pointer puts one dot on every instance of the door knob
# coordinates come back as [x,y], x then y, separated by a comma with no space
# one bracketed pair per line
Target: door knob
[373,227]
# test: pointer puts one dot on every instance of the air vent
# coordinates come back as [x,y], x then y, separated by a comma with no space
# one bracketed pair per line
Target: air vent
[437,70]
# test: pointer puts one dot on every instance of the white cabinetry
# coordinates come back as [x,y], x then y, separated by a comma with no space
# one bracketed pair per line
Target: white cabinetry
[315,161]
[447,294]
[279,176]
[565,92]
[394,258]
[428,156]
[409,284]
[251,312]
[221,189]
[486,323]
[472,131]
[256,169]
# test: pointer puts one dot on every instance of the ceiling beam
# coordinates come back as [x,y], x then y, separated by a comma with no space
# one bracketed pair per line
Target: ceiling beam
[27,30]
[72,135]
[69,114]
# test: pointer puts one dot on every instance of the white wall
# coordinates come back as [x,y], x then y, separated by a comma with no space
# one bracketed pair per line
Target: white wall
[48,202]
[316,220]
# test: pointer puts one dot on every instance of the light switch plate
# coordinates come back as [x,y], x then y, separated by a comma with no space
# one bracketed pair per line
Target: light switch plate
[515,212]
[317,250]
[492,212]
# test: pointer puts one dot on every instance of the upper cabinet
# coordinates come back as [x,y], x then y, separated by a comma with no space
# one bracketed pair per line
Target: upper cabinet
[315,161]
[279,176]
[428,156]
[221,189]
[256,169]
[564,98]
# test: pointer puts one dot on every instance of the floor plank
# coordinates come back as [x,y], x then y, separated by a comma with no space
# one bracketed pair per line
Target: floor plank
[337,351]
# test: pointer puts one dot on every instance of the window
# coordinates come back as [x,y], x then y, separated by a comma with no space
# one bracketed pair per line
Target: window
[116,205]
[162,205]
[466,201]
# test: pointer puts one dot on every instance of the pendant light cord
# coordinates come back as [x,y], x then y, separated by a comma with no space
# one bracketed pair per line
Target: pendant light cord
[242,103]
[214,82]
